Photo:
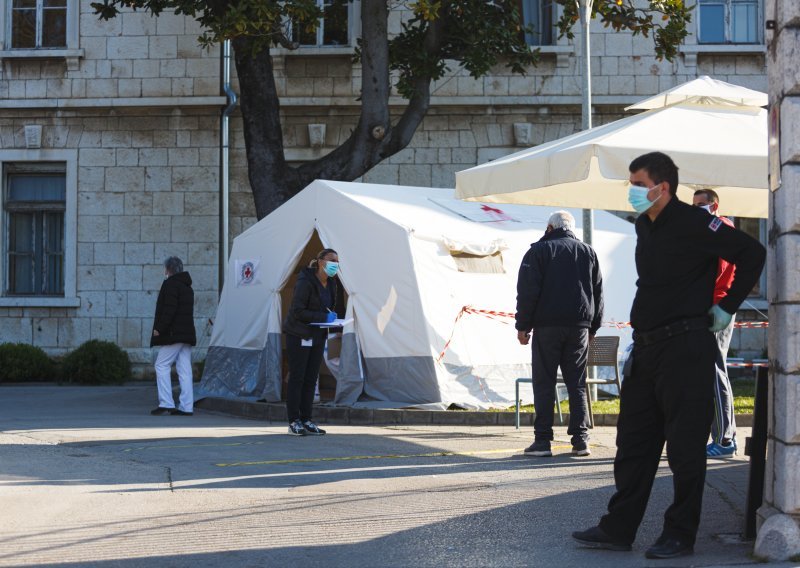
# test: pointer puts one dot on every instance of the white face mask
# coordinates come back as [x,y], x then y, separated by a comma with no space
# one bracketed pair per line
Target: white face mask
[707,208]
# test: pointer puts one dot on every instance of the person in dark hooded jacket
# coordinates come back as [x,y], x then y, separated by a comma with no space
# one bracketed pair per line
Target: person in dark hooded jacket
[173,331]
[314,301]
[559,310]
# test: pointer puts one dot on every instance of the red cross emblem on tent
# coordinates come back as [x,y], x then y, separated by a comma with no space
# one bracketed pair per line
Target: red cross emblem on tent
[247,273]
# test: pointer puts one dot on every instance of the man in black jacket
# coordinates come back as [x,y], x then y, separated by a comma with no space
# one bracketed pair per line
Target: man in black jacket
[668,392]
[173,330]
[559,307]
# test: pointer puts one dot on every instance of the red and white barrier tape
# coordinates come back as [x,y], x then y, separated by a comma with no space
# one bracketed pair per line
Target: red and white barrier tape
[497,315]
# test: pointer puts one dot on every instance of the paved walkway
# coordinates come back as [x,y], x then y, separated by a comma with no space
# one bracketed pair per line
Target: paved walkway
[89,478]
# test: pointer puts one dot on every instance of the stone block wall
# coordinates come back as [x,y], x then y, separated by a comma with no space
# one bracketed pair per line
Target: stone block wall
[148,188]
[133,55]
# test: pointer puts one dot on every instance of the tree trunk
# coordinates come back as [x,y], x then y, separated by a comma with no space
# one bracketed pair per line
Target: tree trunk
[374,139]
[270,176]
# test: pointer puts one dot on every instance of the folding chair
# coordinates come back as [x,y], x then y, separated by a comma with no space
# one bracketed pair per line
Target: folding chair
[603,353]
[529,381]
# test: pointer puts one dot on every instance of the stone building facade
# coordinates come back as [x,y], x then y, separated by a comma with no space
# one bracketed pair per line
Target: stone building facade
[120,125]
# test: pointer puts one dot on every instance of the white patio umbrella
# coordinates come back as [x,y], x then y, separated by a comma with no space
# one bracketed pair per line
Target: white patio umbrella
[715,143]
[710,90]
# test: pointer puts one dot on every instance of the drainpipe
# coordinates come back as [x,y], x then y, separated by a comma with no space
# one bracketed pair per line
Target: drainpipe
[224,164]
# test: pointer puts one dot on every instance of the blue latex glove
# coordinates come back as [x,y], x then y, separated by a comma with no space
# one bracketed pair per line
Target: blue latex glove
[721,318]
[332,317]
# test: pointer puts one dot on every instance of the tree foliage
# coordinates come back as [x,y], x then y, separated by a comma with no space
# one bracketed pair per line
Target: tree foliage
[473,35]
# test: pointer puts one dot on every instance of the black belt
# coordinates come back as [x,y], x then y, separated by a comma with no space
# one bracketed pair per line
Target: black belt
[675,328]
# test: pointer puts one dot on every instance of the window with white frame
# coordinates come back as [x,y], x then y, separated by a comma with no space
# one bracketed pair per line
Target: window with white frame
[756,228]
[729,21]
[333,29]
[540,16]
[37,24]
[34,204]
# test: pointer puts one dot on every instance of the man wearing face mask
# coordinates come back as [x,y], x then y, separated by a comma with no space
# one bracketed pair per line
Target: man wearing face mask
[723,428]
[668,391]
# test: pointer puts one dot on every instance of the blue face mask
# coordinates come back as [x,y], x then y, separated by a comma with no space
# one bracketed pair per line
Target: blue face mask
[637,197]
[331,268]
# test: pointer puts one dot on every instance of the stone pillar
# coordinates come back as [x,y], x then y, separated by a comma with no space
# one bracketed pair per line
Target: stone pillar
[779,516]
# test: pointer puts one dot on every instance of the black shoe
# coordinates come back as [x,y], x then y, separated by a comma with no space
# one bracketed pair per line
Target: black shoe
[539,449]
[296,428]
[596,537]
[666,547]
[312,428]
[581,449]
[161,411]
[177,412]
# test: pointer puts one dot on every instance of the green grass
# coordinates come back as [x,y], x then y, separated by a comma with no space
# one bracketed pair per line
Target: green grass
[743,399]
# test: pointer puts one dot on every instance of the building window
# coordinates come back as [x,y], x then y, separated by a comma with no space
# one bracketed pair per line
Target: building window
[756,228]
[38,24]
[333,28]
[728,21]
[540,16]
[34,206]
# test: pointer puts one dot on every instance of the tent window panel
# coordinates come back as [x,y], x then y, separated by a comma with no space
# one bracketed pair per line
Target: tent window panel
[488,264]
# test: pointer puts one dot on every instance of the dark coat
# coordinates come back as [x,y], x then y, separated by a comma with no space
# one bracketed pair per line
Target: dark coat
[559,284]
[307,304]
[174,319]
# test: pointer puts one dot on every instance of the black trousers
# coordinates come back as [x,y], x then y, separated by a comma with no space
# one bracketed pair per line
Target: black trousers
[668,397]
[304,365]
[568,348]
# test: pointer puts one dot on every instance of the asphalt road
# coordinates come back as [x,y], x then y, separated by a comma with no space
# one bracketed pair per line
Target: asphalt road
[89,478]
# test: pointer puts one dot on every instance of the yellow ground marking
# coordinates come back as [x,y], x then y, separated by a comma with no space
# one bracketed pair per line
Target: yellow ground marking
[377,457]
[195,446]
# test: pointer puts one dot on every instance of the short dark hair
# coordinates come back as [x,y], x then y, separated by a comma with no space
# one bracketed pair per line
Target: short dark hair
[710,194]
[659,167]
[174,265]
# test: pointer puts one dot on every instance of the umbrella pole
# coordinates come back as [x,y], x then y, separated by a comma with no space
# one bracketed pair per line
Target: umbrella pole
[585,11]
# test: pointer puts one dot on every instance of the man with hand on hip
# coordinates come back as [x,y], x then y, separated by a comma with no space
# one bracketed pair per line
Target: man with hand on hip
[668,393]
[723,427]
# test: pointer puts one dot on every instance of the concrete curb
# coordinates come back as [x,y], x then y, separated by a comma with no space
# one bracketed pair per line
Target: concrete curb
[276,412]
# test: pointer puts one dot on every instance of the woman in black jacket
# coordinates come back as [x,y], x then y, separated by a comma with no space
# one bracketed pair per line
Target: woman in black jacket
[314,301]
[173,330]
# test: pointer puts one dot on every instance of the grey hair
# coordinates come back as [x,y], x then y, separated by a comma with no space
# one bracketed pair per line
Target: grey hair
[562,220]
[173,265]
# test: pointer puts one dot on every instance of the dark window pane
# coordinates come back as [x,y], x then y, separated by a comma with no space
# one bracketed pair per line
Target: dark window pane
[753,228]
[335,25]
[23,29]
[25,4]
[45,187]
[303,35]
[54,27]
[55,3]
[712,23]
[54,253]
[548,27]
[20,253]
[744,22]
[539,15]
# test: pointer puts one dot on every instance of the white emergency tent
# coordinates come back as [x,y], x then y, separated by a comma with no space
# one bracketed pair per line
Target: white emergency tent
[400,249]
